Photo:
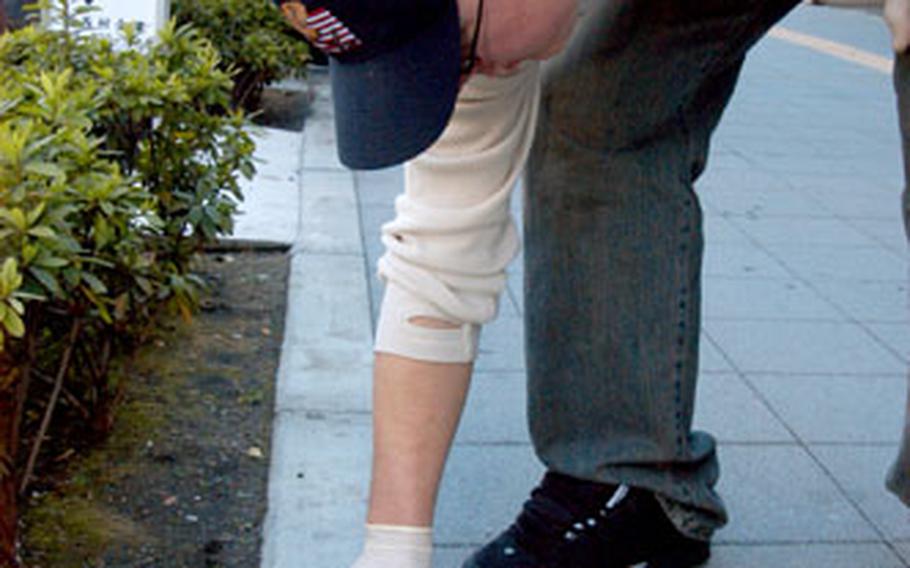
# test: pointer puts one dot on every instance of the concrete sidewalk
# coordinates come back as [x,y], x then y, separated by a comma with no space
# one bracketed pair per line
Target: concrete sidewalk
[805,340]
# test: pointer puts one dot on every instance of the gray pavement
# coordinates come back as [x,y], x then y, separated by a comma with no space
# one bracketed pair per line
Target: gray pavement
[805,339]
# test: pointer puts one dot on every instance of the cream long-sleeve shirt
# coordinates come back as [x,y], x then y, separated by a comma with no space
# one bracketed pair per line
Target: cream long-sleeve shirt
[453,236]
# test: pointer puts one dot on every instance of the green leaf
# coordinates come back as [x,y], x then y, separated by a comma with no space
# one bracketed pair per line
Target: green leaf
[47,280]
[145,285]
[28,296]
[102,309]
[10,269]
[48,261]
[9,277]
[47,169]
[42,232]
[94,283]
[14,324]
[36,213]
[16,305]
[14,217]
[98,262]
[29,253]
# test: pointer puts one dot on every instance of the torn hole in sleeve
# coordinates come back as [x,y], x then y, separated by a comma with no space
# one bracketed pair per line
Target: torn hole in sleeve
[432,322]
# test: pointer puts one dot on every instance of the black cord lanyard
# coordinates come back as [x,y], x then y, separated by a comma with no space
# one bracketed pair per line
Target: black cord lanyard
[468,65]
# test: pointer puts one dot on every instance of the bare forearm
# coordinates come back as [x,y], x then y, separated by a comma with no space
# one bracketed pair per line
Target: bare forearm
[519,30]
[897,15]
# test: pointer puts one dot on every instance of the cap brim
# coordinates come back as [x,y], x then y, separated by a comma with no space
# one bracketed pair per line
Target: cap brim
[392,107]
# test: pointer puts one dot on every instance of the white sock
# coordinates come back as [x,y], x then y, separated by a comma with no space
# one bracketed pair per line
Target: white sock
[393,546]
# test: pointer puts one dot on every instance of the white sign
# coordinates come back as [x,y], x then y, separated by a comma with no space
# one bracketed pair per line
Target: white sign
[110,15]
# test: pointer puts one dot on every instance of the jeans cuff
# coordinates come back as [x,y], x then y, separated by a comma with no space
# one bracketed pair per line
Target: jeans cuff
[688,520]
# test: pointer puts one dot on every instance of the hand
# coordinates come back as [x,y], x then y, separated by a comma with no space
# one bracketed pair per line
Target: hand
[295,13]
[513,31]
[897,16]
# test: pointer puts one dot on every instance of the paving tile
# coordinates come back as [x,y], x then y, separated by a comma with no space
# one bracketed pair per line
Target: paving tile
[502,345]
[718,230]
[272,187]
[802,347]
[508,307]
[376,289]
[734,173]
[515,282]
[515,298]
[742,261]
[788,164]
[727,162]
[764,204]
[753,556]
[903,548]
[837,409]
[329,219]
[319,144]
[889,233]
[379,187]
[326,355]
[856,205]
[483,490]
[802,231]
[451,556]
[775,494]
[804,556]
[729,410]
[864,30]
[346,389]
[729,298]
[373,218]
[874,151]
[757,143]
[278,152]
[895,336]
[860,185]
[270,210]
[710,358]
[881,302]
[496,411]
[822,263]
[861,472]
[778,494]
[776,144]
[317,489]
[329,304]
[262,226]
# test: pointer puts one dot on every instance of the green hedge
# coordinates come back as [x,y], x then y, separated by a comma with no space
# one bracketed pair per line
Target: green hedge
[117,167]
[255,43]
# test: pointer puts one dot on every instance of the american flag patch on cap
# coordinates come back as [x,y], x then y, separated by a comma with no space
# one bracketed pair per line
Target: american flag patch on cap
[332,36]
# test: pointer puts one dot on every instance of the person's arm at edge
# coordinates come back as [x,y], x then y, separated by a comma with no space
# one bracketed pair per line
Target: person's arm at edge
[4,21]
[513,31]
[897,16]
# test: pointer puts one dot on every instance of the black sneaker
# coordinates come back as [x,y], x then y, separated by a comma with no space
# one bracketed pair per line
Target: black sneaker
[570,523]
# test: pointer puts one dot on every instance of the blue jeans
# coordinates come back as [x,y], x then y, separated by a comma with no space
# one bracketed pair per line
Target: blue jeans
[899,475]
[613,245]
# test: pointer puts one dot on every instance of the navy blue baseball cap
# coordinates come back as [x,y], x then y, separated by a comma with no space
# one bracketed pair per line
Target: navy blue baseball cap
[395,67]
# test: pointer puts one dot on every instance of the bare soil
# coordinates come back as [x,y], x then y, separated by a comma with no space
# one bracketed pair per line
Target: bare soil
[181,482]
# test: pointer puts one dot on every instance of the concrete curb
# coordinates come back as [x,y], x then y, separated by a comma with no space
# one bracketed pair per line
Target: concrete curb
[321,421]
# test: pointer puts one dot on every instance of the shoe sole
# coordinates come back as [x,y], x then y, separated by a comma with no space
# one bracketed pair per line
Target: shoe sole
[689,555]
